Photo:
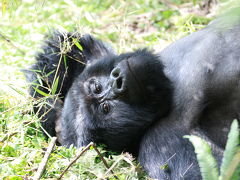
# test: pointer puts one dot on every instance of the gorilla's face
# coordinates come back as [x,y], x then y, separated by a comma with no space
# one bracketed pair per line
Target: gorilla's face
[116,98]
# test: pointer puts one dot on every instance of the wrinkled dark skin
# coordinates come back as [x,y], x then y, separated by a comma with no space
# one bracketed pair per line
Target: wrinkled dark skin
[144,103]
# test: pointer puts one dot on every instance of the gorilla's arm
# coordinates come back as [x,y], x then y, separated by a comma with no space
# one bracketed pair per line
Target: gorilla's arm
[164,154]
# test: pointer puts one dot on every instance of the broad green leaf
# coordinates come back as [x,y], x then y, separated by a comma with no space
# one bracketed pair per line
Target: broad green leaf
[233,171]
[206,161]
[231,148]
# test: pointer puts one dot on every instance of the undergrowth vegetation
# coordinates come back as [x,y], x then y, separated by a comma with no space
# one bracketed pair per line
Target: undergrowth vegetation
[126,25]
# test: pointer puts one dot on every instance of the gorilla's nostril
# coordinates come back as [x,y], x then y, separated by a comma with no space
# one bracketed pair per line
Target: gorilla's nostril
[119,83]
[116,72]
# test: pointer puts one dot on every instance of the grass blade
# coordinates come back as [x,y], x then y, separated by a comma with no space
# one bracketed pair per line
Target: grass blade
[75,41]
[40,92]
[65,61]
[55,85]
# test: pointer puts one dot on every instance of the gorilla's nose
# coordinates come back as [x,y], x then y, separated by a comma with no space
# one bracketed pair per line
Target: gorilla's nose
[118,80]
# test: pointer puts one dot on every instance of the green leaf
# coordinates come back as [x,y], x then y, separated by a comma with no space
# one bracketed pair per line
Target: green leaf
[164,167]
[231,149]
[167,14]
[48,74]
[39,78]
[21,92]
[9,151]
[206,161]
[75,41]
[40,92]
[97,159]
[233,171]
[12,177]
[55,85]
[194,2]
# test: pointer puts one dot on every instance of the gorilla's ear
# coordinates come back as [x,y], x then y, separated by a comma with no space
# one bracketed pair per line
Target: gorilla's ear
[95,49]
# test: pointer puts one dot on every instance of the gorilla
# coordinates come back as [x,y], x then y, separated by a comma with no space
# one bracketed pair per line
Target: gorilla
[142,102]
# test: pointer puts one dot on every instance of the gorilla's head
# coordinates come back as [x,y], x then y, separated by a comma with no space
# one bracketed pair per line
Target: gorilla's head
[114,100]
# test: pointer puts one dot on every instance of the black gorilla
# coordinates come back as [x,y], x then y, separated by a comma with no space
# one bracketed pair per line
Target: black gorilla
[143,102]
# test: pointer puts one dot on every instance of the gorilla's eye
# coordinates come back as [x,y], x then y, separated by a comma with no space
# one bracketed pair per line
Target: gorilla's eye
[105,108]
[98,88]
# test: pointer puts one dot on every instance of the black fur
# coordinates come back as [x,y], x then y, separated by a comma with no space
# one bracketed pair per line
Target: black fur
[145,103]
[60,59]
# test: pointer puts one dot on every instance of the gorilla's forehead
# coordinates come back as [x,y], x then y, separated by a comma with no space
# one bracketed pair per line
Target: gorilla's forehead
[104,65]
[101,66]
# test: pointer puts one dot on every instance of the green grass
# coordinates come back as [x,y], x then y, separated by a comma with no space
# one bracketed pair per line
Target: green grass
[127,25]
